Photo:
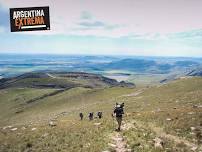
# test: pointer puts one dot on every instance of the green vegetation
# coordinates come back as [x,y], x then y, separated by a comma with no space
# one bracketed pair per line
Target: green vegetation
[165,111]
[142,80]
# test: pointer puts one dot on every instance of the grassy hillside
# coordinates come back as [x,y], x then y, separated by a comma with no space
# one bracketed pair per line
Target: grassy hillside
[171,112]
[174,108]
[61,80]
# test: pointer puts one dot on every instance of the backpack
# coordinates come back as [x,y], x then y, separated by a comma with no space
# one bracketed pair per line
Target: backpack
[119,111]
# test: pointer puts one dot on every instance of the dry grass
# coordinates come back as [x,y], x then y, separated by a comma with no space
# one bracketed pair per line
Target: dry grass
[174,107]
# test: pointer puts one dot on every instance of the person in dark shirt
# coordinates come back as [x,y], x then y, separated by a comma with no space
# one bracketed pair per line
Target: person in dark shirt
[119,111]
[99,114]
[81,116]
[90,116]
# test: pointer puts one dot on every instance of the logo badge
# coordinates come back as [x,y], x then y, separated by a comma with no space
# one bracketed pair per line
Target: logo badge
[29,19]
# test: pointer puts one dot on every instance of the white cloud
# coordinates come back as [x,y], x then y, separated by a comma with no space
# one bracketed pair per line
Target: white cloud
[157,27]
[133,16]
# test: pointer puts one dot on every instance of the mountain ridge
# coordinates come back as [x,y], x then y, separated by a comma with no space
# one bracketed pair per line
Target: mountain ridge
[61,80]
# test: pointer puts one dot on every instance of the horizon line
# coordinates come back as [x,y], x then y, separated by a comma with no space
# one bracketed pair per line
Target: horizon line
[85,54]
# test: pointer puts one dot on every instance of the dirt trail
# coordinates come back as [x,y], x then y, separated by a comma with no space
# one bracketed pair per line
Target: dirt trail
[118,143]
[52,76]
[134,93]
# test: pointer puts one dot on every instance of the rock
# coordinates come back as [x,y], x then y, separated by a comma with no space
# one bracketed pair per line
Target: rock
[192,128]
[45,135]
[7,127]
[23,128]
[199,106]
[52,124]
[33,129]
[168,119]
[14,129]
[97,124]
[87,145]
[158,143]
[190,113]
[112,145]
[168,149]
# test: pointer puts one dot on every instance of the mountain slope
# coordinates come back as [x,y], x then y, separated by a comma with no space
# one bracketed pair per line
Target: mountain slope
[60,80]
[171,112]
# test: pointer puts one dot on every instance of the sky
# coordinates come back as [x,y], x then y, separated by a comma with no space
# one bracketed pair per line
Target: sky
[109,27]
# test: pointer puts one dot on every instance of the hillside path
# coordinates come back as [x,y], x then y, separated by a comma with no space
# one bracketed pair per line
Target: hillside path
[136,93]
[118,143]
[52,76]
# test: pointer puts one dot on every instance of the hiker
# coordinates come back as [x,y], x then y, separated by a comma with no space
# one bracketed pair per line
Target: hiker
[81,116]
[90,116]
[118,111]
[99,114]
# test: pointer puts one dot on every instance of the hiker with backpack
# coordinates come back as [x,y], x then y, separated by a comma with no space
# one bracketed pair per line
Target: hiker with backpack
[119,111]
[99,114]
[90,116]
[81,116]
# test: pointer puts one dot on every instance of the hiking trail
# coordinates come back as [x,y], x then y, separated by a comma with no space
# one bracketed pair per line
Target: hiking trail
[118,143]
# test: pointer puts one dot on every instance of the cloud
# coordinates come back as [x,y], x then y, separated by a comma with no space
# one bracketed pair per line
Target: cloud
[92,24]
[95,24]
[145,27]
[117,17]
[86,15]
[193,34]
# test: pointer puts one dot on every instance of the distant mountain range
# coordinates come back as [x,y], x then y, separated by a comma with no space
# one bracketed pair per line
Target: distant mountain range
[167,68]
[148,66]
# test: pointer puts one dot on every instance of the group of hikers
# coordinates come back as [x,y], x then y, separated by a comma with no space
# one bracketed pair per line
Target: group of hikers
[91,115]
[117,112]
